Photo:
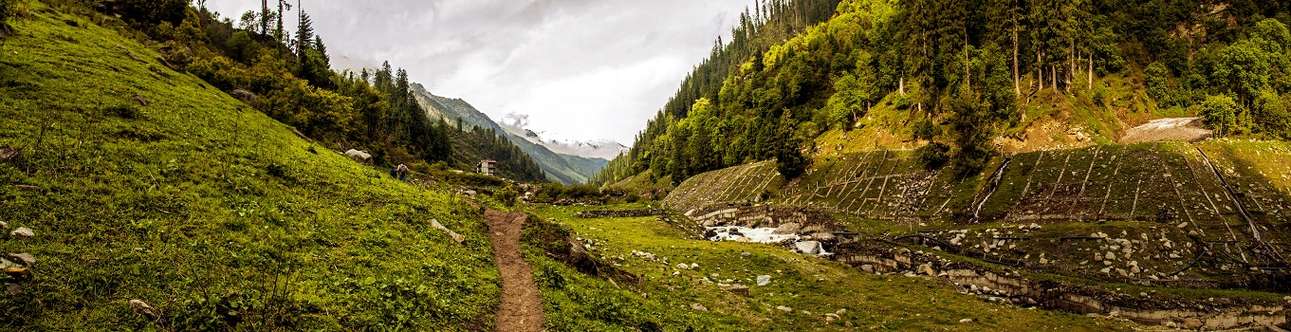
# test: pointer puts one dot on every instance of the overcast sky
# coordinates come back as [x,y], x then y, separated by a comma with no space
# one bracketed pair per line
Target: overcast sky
[580,69]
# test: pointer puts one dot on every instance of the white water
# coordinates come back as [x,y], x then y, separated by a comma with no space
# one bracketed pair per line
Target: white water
[765,235]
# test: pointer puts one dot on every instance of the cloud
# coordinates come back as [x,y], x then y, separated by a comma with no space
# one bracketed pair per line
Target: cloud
[580,69]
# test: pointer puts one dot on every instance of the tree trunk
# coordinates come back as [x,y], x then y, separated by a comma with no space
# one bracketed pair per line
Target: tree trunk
[1091,71]
[264,17]
[1017,87]
[1053,76]
[968,75]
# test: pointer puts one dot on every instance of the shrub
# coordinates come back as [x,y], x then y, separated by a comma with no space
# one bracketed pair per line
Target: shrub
[1271,114]
[1220,114]
[934,156]
[1158,84]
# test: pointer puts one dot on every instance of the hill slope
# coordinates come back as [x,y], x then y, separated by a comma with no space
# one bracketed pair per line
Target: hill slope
[213,213]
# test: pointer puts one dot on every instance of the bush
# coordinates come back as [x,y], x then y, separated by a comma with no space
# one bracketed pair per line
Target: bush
[1220,114]
[1158,84]
[1271,114]
[934,156]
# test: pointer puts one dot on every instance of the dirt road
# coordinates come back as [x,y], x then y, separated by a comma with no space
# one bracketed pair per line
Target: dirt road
[521,308]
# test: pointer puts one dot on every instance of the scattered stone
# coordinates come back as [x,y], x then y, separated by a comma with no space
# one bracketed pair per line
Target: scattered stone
[694,266]
[746,254]
[698,307]
[738,289]
[764,280]
[22,232]
[784,308]
[831,318]
[142,308]
[965,320]
[25,258]
[7,153]
[683,266]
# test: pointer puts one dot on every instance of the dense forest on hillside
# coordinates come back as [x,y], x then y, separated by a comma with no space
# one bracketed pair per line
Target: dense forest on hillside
[962,68]
[474,144]
[289,77]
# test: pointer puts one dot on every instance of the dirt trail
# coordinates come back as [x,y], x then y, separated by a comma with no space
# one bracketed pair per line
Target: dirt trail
[521,308]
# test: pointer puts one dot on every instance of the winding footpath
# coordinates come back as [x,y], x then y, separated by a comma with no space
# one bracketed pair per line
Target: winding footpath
[521,308]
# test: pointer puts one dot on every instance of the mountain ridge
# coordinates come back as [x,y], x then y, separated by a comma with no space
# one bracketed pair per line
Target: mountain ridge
[559,167]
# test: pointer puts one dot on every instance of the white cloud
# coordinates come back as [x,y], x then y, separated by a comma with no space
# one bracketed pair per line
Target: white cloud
[581,69]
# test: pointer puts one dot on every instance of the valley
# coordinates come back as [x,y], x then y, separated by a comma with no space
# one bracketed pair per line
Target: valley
[835,165]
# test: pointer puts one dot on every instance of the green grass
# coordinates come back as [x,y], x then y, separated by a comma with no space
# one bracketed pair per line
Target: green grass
[812,287]
[210,211]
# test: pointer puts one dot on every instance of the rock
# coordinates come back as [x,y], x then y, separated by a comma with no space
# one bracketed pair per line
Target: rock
[788,228]
[746,254]
[764,280]
[694,266]
[926,268]
[1192,323]
[243,95]
[4,225]
[784,308]
[7,153]
[831,318]
[1111,256]
[142,308]
[358,155]
[698,307]
[139,99]
[738,289]
[25,258]
[456,237]
[683,266]
[808,247]
[22,232]
[18,272]
[965,320]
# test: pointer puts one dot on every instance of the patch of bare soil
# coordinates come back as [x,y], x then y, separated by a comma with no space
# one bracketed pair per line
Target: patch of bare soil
[1168,129]
[521,308]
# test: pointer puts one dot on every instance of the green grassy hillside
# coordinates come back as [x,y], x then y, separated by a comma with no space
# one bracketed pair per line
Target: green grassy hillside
[213,213]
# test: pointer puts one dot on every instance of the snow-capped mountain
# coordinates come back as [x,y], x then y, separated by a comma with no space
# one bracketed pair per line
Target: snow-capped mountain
[599,149]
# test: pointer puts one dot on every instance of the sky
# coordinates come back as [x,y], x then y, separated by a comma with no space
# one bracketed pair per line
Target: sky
[580,70]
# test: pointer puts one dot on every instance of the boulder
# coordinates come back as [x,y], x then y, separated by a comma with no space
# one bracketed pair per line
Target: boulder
[243,95]
[808,247]
[358,155]
[764,280]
